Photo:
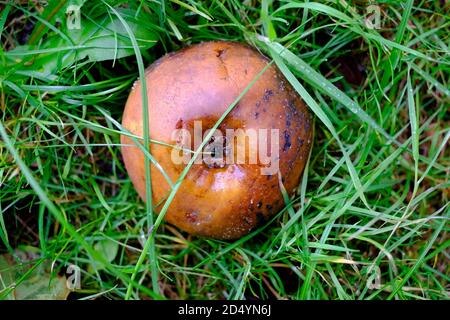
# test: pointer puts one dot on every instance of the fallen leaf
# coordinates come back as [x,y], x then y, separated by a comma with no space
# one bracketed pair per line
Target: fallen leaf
[38,284]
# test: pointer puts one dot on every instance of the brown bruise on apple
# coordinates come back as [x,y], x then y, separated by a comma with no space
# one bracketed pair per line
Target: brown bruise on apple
[199,83]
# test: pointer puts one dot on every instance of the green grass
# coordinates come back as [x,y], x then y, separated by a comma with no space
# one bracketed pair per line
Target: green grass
[373,201]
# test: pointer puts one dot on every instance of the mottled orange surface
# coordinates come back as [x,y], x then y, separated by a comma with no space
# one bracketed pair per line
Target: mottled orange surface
[199,83]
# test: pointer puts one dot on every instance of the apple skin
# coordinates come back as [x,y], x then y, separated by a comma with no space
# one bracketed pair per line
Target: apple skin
[198,83]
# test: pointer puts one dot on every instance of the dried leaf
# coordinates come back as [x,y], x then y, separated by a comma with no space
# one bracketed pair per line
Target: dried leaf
[39,284]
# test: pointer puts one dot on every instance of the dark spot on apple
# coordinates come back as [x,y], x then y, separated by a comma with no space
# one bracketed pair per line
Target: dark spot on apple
[267,94]
[292,107]
[288,122]
[191,216]
[287,141]
[219,52]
